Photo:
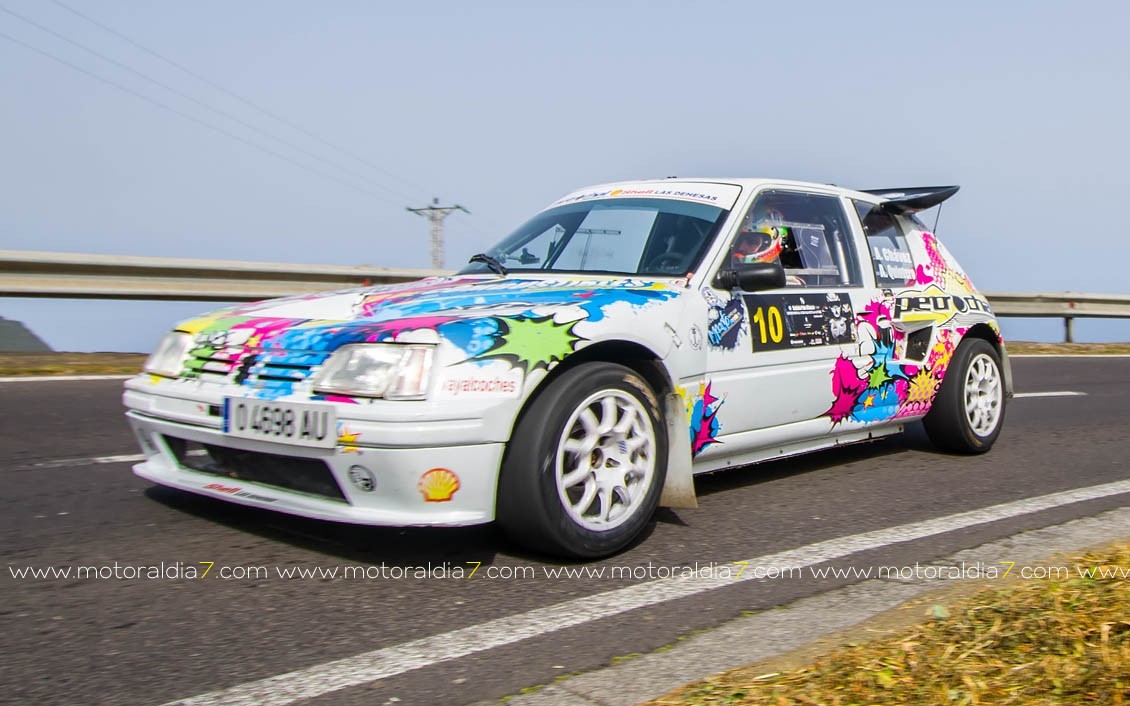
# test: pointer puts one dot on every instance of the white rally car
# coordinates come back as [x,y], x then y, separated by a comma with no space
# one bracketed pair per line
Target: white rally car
[581,372]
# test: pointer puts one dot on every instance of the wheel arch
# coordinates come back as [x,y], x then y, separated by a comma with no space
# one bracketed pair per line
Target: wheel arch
[637,357]
[987,333]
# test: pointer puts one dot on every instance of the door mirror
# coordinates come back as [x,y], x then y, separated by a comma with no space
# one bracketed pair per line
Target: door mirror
[752,277]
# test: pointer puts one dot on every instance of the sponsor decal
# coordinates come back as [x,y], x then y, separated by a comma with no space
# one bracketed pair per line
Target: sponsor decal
[438,485]
[581,197]
[719,195]
[783,321]
[219,488]
[725,325]
[238,492]
[668,193]
[935,306]
[504,385]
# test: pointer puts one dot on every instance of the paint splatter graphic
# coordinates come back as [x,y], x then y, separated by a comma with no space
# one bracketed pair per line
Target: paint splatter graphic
[702,416]
[532,342]
[272,355]
[940,271]
[883,388]
[847,387]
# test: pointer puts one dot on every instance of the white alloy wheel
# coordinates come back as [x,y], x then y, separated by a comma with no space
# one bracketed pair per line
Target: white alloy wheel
[983,395]
[606,460]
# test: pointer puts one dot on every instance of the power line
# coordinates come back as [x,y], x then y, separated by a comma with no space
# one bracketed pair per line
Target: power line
[240,98]
[200,103]
[198,121]
[436,215]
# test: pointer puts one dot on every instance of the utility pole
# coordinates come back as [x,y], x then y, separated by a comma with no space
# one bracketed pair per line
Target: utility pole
[435,214]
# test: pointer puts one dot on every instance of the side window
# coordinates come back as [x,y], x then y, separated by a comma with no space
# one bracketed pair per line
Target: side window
[890,255]
[808,233]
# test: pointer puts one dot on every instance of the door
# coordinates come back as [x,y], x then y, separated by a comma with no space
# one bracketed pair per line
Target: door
[772,355]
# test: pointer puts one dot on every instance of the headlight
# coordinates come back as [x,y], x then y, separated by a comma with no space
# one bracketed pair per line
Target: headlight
[168,359]
[389,370]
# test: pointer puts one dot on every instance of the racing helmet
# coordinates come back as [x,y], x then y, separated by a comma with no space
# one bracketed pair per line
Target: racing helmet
[760,237]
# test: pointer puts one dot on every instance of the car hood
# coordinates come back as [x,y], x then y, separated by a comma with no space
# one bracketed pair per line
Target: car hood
[466,311]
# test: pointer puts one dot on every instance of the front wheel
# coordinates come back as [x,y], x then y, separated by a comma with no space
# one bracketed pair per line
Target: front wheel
[585,466]
[968,412]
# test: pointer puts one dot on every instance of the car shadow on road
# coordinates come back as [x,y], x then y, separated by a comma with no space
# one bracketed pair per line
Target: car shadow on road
[414,546]
[392,546]
[913,440]
[409,547]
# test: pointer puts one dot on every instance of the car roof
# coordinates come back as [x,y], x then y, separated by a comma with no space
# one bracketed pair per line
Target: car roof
[743,182]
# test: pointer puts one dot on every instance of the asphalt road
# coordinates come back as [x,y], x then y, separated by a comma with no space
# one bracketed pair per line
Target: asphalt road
[152,640]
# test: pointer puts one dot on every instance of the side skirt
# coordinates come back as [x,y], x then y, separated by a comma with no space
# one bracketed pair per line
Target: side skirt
[797,448]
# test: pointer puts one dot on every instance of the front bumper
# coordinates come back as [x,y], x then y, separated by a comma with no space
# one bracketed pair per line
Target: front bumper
[399,484]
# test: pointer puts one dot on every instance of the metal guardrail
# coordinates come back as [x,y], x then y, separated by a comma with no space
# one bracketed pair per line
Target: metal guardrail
[82,276]
[1067,305]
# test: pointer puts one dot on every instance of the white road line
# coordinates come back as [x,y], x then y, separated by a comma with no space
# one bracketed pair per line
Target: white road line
[1069,355]
[122,458]
[1061,393]
[63,462]
[63,378]
[390,661]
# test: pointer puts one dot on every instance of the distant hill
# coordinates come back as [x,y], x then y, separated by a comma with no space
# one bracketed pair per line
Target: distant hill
[16,338]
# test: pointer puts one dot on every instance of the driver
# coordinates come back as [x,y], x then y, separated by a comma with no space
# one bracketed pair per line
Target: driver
[761,237]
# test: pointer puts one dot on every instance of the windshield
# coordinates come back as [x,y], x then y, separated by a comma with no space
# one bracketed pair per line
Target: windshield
[619,236]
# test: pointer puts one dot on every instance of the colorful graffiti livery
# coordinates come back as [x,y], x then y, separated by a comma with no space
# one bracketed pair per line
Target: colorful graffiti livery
[702,416]
[584,368]
[530,342]
[875,386]
[529,323]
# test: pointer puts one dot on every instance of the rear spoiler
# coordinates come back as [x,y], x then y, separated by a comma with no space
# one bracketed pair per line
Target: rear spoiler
[912,198]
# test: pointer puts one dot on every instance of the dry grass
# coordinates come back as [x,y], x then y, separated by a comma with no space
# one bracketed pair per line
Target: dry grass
[70,363]
[1023,347]
[1026,642]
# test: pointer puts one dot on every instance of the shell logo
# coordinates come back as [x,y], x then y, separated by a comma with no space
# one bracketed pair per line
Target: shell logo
[438,485]
[615,192]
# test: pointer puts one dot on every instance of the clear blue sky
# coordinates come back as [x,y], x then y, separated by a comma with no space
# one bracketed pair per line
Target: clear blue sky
[503,107]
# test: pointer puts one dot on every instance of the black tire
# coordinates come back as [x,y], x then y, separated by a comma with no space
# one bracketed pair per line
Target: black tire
[530,506]
[947,423]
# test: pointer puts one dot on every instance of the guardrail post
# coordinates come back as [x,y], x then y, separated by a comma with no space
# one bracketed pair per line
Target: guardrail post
[1069,329]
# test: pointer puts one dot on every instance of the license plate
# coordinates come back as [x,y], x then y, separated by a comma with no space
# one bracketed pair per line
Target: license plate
[285,422]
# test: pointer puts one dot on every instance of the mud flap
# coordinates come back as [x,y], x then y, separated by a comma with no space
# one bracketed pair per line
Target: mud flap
[678,490]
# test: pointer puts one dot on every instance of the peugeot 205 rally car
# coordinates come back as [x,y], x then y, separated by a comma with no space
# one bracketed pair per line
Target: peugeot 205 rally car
[623,339]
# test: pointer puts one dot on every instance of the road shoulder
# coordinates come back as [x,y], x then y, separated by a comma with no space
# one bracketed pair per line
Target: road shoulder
[794,634]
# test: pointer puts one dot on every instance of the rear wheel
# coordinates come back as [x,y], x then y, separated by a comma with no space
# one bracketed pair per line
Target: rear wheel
[968,412]
[585,466]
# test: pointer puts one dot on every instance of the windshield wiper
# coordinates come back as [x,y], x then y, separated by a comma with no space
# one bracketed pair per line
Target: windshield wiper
[495,266]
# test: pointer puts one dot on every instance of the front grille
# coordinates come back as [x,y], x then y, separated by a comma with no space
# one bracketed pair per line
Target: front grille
[214,364]
[304,475]
[275,370]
